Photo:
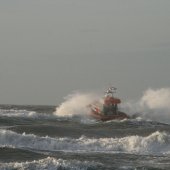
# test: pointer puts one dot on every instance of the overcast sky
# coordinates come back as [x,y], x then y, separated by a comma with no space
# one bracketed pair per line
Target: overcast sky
[49,48]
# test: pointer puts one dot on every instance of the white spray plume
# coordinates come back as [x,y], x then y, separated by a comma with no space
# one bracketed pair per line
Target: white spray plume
[154,105]
[157,99]
[76,104]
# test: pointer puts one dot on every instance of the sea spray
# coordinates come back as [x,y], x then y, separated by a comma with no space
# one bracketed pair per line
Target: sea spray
[153,105]
[156,99]
[76,104]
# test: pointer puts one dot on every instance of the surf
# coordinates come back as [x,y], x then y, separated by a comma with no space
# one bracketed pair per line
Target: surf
[51,163]
[154,143]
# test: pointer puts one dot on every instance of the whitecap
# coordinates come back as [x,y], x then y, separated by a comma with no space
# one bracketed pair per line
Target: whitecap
[50,163]
[155,143]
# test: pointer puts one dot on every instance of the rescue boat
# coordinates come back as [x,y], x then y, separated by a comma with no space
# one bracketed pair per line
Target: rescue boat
[107,108]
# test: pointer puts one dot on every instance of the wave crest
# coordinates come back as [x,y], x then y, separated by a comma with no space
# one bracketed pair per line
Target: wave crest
[155,143]
[50,163]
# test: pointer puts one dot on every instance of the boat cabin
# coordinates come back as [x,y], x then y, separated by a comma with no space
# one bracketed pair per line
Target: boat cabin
[110,105]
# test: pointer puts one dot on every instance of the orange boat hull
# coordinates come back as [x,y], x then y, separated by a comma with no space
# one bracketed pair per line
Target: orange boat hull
[99,116]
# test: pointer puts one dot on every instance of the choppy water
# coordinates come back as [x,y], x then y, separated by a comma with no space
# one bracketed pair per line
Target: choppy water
[32,137]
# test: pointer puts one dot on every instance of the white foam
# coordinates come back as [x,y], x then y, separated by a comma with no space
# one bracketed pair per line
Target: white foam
[76,104]
[49,163]
[153,105]
[156,99]
[23,114]
[155,143]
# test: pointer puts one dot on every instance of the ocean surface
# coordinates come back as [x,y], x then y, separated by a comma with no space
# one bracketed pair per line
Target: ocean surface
[36,138]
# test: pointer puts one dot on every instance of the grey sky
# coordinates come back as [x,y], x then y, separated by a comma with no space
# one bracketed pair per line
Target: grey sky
[48,48]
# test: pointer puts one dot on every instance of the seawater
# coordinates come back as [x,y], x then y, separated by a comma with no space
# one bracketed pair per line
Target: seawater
[35,137]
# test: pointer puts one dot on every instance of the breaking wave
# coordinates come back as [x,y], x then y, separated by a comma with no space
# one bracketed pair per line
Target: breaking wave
[155,143]
[23,114]
[50,163]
